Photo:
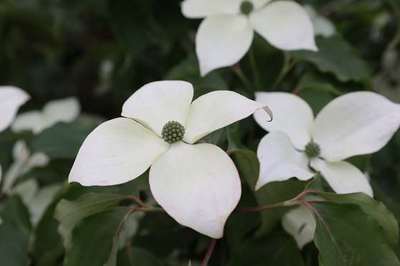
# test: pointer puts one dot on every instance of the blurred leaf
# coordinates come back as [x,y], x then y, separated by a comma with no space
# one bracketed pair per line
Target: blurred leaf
[188,70]
[62,141]
[95,239]
[70,213]
[317,93]
[336,56]
[14,232]
[346,236]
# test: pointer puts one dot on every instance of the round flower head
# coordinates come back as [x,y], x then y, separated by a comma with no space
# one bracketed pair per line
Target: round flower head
[353,124]
[197,184]
[226,33]
[11,99]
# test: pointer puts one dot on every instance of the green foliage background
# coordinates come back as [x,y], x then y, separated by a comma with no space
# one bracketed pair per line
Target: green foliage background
[101,51]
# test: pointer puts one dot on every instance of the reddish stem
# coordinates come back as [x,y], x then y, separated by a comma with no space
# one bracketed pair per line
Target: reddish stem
[209,252]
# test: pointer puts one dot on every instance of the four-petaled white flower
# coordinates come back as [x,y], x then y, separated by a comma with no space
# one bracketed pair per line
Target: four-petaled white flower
[297,146]
[226,33]
[64,110]
[197,184]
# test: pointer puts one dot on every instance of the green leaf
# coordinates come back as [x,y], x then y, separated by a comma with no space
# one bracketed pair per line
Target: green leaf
[276,249]
[346,236]
[247,163]
[274,193]
[373,209]
[317,93]
[62,141]
[336,56]
[95,239]
[70,213]
[14,232]
[188,70]
[47,247]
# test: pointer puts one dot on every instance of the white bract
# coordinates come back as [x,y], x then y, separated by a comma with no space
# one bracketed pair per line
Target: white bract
[24,161]
[299,146]
[64,110]
[197,184]
[322,25]
[11,99]
[301,224]
[226,33]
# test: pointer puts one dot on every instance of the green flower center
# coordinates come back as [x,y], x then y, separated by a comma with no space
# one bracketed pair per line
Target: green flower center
[312,150]
[246,7]
[172,132]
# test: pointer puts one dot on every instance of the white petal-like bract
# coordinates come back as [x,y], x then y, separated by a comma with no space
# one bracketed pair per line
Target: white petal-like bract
[354,124]
[286,25]
[279,161]
[30,121]
[159,102]
[204,8]
[116,152]
[216,110]
[11,99]
[343,177]
[301,224]
[222,41]
[198,185]
[63,110]
[292,116]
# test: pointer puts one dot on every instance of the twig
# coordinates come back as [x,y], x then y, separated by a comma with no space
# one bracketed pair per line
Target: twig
[143,206]
[295,201]
[246,82]
[209,252]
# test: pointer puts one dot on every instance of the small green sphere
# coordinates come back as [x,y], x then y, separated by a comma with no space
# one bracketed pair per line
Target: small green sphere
[312,150]
[172,132]
[246,7]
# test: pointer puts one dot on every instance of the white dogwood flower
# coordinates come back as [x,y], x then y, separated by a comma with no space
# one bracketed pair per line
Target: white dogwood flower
[64,110]
[226,33]
[299,146]
[197,184]
[11,99]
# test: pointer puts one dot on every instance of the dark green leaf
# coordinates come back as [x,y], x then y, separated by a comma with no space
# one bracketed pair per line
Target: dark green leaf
[95,239]
[373,209]
[336,56]
[273,193]
[346,236]
[14,232]
[62,141]
[70,213]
